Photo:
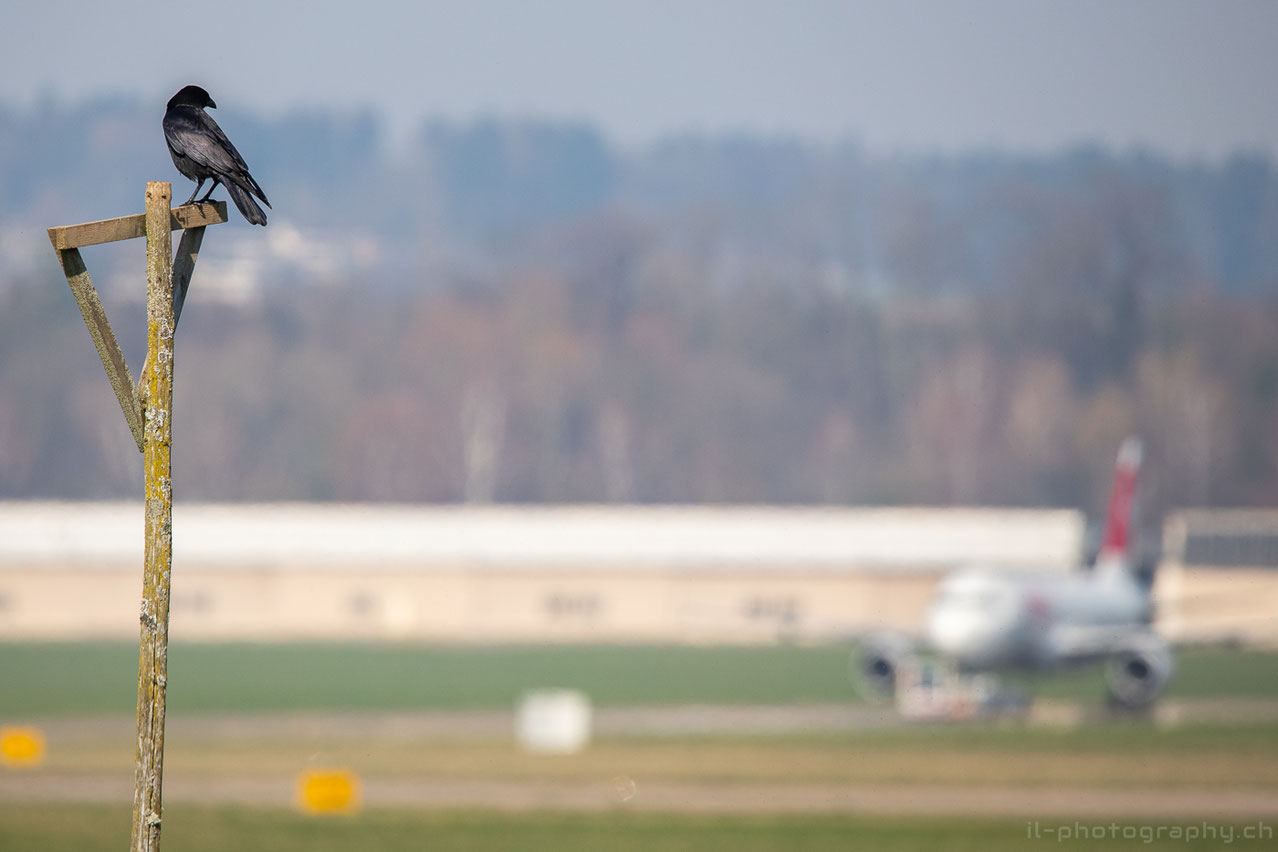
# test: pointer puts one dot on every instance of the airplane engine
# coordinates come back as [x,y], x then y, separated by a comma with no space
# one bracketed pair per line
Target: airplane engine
[877,661]
[1137,673]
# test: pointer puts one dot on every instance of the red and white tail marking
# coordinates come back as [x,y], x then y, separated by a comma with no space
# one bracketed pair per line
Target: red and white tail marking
[1116,539]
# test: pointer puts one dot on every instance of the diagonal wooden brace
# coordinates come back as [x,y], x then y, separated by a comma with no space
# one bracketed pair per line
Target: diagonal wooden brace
[188,251]
[86,296]
[67,240]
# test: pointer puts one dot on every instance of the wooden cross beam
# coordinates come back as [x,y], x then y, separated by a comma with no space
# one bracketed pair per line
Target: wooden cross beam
[67,241]
[132,227]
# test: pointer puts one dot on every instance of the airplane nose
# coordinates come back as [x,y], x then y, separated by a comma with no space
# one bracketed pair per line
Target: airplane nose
[962,636]
[948,631]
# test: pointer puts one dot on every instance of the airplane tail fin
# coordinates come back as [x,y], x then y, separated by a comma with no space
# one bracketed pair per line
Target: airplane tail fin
[1116,540]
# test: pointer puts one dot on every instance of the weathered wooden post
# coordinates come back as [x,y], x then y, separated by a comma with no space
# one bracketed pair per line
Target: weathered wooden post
[148,408]
[156,394]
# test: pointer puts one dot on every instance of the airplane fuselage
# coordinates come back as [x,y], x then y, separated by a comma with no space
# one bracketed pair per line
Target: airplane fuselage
[986,621]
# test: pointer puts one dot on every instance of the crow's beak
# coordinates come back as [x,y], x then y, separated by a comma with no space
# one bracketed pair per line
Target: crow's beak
[211,104]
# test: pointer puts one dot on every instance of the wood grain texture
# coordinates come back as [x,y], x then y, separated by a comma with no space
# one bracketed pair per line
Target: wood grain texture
[157,398]
[131,227]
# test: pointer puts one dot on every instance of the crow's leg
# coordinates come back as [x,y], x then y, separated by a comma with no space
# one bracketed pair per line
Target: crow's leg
[194,193]
[216,182]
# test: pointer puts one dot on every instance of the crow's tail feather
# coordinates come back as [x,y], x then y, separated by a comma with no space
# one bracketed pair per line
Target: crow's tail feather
[248,207]
[255,189]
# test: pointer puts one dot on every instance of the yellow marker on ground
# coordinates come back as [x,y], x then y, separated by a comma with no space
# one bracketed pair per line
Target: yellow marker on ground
[328,791]
[21,747]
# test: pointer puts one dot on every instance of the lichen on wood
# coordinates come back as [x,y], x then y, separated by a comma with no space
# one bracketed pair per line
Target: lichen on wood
[157,399]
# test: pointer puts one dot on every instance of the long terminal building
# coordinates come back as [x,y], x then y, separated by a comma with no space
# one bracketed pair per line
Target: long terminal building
[283,572]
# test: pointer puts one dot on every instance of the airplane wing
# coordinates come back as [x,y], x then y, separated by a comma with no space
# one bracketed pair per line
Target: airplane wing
[1072,643]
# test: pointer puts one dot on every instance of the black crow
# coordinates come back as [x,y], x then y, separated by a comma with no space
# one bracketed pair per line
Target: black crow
[201,151]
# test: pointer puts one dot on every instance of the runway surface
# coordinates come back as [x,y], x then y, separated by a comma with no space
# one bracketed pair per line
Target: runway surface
[681,720]
[267,784]
[624,793]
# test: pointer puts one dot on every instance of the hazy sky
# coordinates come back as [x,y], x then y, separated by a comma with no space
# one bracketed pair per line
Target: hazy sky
[1188,78]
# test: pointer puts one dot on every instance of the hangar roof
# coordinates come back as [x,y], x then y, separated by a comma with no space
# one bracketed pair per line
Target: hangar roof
[578,537]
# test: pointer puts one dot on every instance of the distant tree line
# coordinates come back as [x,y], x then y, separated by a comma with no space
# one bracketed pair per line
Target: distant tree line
[709,319]
[491,188]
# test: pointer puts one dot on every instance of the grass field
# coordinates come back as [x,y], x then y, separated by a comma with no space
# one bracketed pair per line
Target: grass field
[192,829]
[238,683]
[100,678]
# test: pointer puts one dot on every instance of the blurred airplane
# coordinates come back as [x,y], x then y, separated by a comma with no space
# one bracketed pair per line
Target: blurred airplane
[983,621]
